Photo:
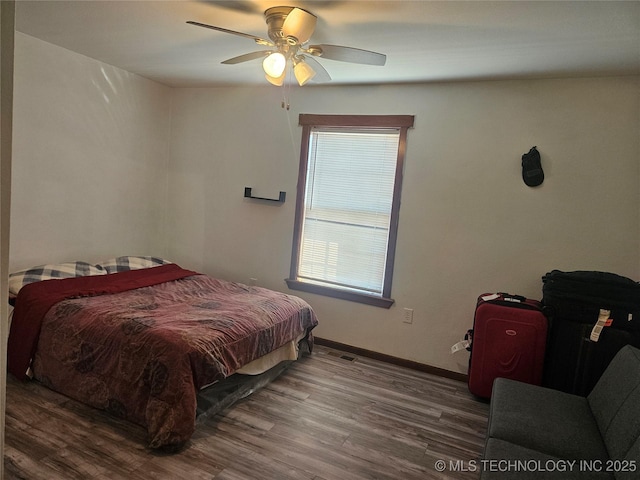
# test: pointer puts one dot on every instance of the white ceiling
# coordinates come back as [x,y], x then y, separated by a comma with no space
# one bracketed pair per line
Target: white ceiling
[423,40]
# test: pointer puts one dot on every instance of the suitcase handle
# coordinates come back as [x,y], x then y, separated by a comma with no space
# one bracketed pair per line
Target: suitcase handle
[469,337]
[508,296]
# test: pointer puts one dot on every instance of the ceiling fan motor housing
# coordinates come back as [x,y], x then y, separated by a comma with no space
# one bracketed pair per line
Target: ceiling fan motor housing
[275,17]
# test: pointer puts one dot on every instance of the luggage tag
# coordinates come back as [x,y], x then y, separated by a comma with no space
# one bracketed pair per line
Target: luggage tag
[463,344]
[603,321]
[488,298]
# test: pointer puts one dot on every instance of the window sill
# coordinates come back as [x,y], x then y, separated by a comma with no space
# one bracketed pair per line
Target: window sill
[341,294]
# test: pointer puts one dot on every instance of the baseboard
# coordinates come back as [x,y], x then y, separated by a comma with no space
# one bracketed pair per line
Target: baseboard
[441,372]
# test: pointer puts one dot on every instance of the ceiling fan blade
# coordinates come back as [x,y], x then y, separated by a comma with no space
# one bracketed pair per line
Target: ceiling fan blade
[246,57]
[321,75]
[299,24]
[239,6]
[347,54]
[258,40]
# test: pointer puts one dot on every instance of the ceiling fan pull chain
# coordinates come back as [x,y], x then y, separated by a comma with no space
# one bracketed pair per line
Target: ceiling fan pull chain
[286,88]
[284,103]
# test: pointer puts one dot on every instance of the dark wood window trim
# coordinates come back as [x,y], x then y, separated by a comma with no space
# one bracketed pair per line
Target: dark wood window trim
[308,121]
[339,293]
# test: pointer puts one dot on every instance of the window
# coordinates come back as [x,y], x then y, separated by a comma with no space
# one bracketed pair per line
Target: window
[347,205]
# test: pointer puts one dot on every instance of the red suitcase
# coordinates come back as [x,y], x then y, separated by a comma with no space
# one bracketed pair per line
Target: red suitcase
[509,340]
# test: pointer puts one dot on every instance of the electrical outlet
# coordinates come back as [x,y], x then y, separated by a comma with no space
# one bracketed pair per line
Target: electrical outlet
[408,315]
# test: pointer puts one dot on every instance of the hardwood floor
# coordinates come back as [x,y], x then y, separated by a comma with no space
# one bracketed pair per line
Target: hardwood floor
[332,415]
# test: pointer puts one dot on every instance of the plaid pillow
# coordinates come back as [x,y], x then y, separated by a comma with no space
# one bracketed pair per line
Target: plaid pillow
[131,262]
[18,280]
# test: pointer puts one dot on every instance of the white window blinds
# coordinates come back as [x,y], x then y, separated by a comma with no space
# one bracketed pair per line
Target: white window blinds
[347,211]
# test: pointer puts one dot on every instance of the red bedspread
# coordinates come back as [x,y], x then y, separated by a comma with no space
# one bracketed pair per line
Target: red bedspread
[140,345]
[35,300]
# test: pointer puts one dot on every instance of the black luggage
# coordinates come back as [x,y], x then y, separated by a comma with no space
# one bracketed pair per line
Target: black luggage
[592,316]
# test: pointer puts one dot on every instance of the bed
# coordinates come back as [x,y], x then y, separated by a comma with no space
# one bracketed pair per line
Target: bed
[142,341]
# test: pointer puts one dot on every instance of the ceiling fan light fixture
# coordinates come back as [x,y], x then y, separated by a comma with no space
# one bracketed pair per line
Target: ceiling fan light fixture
[303,72]
[299,24]
[289,30]
[277,81]
[274,65]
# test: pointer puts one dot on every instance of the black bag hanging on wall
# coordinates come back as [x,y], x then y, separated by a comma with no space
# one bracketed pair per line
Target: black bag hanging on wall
[592,316]
[532,172]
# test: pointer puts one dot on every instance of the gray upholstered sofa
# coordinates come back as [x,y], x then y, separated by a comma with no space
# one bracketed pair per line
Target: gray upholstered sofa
[539,433]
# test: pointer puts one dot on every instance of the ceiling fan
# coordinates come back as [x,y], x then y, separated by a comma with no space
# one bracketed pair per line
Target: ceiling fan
[290,29]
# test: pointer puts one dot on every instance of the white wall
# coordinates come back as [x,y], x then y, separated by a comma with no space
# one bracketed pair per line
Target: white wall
[468,224]
[90,158]
[106,163]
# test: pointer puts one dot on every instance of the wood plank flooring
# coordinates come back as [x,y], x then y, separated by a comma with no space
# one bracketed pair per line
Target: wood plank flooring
[330,416]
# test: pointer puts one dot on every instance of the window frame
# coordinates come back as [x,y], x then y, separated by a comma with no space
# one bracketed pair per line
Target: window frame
[308,121]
